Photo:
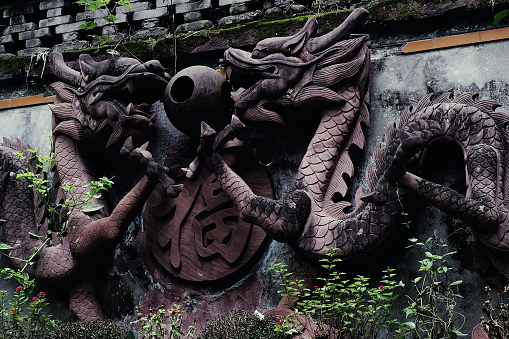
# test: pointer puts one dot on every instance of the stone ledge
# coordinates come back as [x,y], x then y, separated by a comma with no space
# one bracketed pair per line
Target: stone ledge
[456,40]
[45,5]
[55,20]
[26,101]
[38,33]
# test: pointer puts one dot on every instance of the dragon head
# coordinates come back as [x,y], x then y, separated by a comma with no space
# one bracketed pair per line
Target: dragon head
[282,76]
[106,101]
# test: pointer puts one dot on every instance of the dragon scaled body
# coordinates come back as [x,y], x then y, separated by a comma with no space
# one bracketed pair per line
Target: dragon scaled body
[482,136]
[331,77]
[100,111]
[334,82]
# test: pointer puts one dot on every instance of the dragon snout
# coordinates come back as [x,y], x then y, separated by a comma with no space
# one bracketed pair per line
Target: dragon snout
[155,67]
[259,53]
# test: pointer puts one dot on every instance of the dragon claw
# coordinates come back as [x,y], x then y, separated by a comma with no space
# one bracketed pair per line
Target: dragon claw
[172,190]
[144,146]
[228,133]
[409,142]
[139,154]
[380,194]
[127,147]
[210,142]
[205,150]
[235,96]
[153,170]
[206,130]
[193,171]
[160,173]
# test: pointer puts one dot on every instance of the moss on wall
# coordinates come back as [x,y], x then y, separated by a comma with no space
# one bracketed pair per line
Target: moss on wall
[13,67]
[393,10]
[243,35]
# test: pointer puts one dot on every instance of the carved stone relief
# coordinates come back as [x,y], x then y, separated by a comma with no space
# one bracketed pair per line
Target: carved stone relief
[329,75]
[100,112]
[217,226]
[199,235]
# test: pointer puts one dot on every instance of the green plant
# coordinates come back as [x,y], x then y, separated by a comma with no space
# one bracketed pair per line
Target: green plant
[240,324]
[496,325]
[109,6]
[431,312]
[497,18]
[163,323]
[22,316]
[60,212]
[339,307]
[89,330]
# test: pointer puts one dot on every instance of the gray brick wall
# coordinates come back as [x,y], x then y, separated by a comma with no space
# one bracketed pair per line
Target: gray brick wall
[47,24]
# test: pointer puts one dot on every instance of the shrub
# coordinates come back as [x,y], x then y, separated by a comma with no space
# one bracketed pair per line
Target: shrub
[88,330]
[431,311]
[21,315]
[339,307]
[163,323]
[242,325]
[496,323]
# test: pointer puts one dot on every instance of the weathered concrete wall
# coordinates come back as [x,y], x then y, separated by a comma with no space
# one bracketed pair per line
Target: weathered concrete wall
[398,80]
[402,80]
[32,124]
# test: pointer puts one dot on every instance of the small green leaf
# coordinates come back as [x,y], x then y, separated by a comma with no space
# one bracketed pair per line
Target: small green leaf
[409,324]
[457,282]
[433,256]
[88,25]
[4,246]
[110,18]
[499,16]
[124,3]
[91,207]
[113,52]
[459,334]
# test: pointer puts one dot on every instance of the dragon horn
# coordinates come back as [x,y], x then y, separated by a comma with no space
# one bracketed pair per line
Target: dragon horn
[62,71]
[329,39]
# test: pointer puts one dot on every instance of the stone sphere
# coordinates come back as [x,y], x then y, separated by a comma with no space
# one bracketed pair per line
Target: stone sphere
[197,94]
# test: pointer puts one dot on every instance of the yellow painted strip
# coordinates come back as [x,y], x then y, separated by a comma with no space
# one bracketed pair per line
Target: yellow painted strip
[456,40]
[26,101]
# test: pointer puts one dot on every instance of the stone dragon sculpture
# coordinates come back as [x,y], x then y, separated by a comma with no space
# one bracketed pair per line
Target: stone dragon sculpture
[99,112]
[102,111]
[482,136]
[331,73]
[334,79]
